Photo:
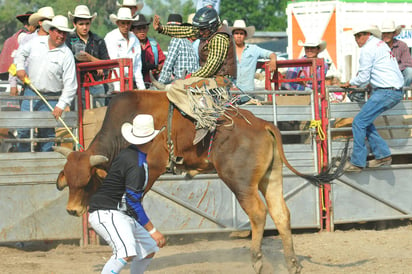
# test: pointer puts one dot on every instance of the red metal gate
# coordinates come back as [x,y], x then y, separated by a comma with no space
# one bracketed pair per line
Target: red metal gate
[321,121]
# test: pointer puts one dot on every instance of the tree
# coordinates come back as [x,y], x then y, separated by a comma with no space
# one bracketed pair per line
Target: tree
[265,15]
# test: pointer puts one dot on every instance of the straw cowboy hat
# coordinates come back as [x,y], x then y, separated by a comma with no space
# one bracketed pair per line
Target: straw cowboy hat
[42,13]
[140,20]
[24,17]
[81,11]
[59,22]
[122,14]
[240,24]
[389,26]
[311,42]
[130,3]
[372,29]
[141,131]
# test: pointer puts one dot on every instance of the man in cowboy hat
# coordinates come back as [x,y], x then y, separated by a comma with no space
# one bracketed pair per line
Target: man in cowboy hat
[379,68]
[122,43]
[11,45]
[153,57]
[133,5]
[116,210]
[248,55]
[312,47]
[181,57]
[216,48]
[51,69]
[37,19]
[399,48]
[94,47]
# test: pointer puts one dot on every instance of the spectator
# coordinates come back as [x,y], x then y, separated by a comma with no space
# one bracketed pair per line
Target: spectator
[247,56]
[195,40]
[312,49]
[116,210]
[216,49]
[122,43]
[133,5]
[378,67]
[181,57]
[94,48]
[51,69]
[35,22]
[399,49]
[152,55]
[12,43]
[10,47]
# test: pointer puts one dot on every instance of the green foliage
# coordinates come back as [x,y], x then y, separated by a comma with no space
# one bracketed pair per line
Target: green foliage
[265,15]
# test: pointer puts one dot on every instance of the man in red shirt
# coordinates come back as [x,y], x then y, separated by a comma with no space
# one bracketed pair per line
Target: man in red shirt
[152,55]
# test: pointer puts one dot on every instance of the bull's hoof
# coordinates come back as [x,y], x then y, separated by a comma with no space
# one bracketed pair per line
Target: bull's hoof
[257,266]
[295,267]
[257,263]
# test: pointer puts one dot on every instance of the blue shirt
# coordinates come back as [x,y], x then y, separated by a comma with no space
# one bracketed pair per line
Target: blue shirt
[377,66]
[246,68]
[181,59]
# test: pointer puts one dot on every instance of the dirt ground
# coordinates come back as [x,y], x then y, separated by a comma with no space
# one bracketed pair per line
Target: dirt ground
[348,250]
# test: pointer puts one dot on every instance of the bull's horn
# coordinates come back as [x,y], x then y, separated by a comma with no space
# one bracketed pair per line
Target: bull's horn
[156,83]
[62,150]
[98,159]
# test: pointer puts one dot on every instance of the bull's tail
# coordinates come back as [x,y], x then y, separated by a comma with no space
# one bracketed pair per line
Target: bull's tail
[326,176]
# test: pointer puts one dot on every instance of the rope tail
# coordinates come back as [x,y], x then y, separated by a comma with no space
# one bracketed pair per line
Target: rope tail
[325,176]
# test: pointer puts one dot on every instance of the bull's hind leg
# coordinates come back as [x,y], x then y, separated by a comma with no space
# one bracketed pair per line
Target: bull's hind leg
[245,189]
[254,207]
[271,187]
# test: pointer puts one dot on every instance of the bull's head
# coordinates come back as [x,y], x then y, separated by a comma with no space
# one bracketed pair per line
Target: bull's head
[82,176]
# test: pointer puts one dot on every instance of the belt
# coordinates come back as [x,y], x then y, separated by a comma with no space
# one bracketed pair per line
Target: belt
[391,88]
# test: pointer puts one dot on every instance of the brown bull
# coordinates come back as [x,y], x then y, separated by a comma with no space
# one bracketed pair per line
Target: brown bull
[246,154]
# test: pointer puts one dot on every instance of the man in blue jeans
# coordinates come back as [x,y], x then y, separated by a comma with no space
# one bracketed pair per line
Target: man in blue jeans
[52,71]
[379,68]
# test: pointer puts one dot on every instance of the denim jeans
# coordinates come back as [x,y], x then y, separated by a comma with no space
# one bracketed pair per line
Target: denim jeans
[363,128]
[95,90]
[38,105]
[407,75]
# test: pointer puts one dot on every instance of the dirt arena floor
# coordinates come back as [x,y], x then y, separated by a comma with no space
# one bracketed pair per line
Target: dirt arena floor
[352,249]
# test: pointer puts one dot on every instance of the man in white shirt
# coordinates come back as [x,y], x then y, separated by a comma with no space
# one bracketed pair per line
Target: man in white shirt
[122,43]
[51,69]
[379,68]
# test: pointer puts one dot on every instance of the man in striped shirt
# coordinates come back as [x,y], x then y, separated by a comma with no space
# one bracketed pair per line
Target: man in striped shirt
[216,49]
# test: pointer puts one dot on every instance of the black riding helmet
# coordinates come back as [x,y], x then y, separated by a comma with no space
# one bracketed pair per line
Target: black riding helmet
[206,17]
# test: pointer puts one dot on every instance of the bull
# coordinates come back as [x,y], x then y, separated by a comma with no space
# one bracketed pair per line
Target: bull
[254,143]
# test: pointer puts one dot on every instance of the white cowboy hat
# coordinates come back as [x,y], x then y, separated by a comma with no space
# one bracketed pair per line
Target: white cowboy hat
[373,29]
[389,26]
[122,14]
[81,11]
[141,131]
[311,42]
[130,3]
[190,18]
[240,24]
[42,13]
[59,22]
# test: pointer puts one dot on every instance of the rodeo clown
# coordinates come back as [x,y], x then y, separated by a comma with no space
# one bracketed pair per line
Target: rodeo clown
[116,212]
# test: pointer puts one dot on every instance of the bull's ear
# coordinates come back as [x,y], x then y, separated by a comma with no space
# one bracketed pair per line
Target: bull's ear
[61,181]
[101,173]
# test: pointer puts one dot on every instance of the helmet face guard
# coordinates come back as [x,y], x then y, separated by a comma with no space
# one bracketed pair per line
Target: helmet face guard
[206,18]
